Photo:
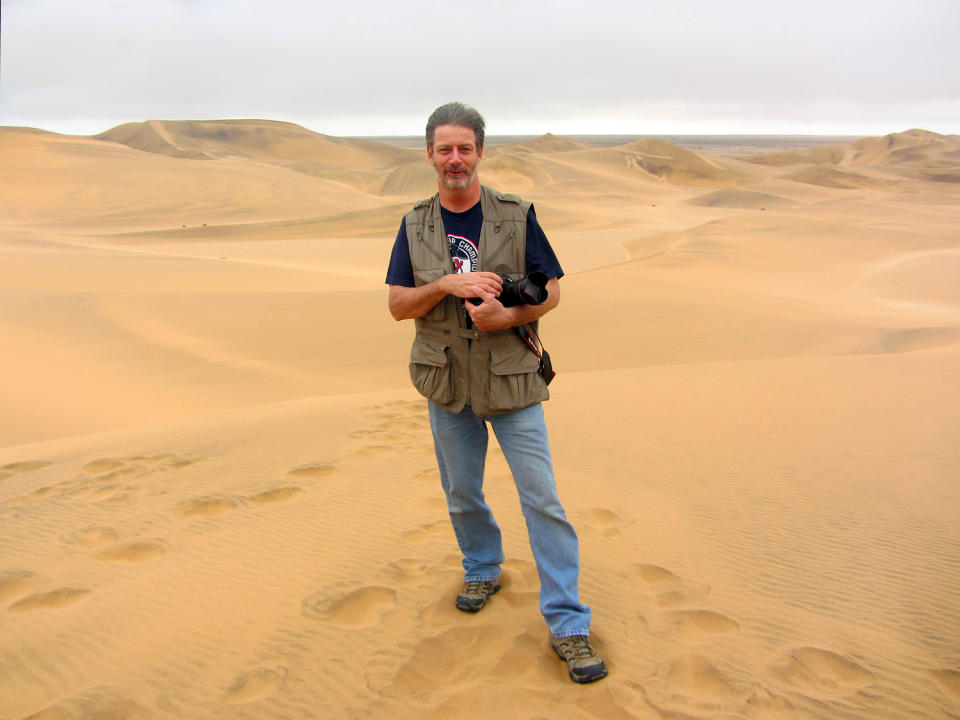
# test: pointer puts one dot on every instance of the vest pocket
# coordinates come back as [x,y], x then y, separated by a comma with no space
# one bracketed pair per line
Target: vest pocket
[430,370]
[514,379]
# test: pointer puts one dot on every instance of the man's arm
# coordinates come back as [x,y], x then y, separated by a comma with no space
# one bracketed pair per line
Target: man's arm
[492,315]
[407,303]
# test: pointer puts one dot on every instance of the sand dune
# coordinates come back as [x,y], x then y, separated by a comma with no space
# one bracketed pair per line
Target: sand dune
[915,153]
[914,147]
[835,177]
[737,198]
[678,166]
[273,142]
[62,182]
[217,490]
[548,143]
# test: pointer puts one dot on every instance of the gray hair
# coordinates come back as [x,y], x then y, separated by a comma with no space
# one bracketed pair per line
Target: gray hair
[456,113]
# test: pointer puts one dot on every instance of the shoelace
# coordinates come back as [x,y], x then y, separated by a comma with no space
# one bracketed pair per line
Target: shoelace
[580,647]
[474,587]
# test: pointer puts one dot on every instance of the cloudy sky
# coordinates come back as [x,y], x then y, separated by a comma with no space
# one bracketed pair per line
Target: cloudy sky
[378,67]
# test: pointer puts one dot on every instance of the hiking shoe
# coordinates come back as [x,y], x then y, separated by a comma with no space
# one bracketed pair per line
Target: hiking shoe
[475,593]
[584,663]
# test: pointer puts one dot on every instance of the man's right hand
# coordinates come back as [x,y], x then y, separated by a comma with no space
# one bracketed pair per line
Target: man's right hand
[472,284]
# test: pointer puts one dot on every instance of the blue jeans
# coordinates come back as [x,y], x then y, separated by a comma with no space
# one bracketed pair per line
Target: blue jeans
[460,440]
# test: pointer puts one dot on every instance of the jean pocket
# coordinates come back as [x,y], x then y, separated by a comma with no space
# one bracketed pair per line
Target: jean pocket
[430,370]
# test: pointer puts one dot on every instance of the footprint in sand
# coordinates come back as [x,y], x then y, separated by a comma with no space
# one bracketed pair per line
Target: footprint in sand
[696,675]
[949,681]
[440,610]
[23,466]
[99,481]
[65,491]
[280,494]
[822,673]
[79,490]
[409,408]
[603,522]
[91,538]
[50,600]
[668,590]
[374,450]
[205,506]
[255,685]
[441,661]
[521,584]
[314,470]
[358,608]
[766,703]
[391,424]
[405,571]
[692,686]
[29,499]
[16,582]
[214,505]
[699,625]
[378,433]
[102,466]
[98,703]
[435,504]
[118,475]
[426,533]
[134,551]
[432,476]
[111,469]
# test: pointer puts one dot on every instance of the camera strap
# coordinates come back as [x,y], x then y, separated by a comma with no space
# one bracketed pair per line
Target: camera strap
[532,340]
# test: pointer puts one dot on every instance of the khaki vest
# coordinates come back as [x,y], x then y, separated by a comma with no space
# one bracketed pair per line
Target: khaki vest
[452,365]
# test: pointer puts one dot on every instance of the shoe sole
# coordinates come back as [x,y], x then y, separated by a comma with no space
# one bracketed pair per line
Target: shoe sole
[477,608]
[582,679]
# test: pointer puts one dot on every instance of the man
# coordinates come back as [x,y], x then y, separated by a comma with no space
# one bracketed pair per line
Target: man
[472,364]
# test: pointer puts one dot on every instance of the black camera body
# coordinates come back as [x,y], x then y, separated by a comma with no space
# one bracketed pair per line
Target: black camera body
[528,290]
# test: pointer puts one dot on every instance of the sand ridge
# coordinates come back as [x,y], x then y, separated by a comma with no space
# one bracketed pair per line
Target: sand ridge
[218,496]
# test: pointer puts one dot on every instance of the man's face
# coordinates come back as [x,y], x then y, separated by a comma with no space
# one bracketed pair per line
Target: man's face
[455,156]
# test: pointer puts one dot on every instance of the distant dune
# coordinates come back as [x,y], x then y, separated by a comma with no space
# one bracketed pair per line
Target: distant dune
[218,494]
[276,142]
[548,143]
[735,198]
[914,147]
[678,166]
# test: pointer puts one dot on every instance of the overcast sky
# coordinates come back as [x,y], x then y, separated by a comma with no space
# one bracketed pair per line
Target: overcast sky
[378,67]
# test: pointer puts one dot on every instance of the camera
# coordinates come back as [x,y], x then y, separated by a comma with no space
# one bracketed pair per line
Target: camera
[528,290]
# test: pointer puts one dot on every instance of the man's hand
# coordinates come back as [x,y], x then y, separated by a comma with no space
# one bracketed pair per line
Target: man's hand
[407,303]
[472,284]
[490,314]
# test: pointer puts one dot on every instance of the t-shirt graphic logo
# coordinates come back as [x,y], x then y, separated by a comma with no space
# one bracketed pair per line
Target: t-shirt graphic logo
[463,252]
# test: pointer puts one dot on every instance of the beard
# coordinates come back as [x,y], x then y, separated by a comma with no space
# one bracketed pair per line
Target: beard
[468,174]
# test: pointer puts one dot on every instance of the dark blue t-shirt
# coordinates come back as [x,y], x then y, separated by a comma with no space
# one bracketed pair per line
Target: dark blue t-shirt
[463,236]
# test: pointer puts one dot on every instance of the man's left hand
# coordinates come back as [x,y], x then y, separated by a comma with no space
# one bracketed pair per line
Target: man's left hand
[490,314]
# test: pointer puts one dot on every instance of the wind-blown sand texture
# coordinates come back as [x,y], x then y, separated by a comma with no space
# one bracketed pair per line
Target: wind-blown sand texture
[217,491]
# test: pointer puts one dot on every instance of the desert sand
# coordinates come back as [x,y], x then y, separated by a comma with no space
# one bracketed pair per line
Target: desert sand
[217,491]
